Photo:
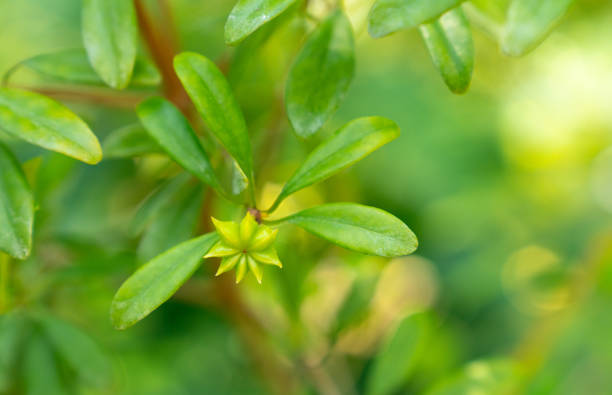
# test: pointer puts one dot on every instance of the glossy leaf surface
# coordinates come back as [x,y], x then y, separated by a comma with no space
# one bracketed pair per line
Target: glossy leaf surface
[248,15]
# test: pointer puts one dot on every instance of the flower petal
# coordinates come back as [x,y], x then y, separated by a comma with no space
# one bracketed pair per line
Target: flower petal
[269,257]
[254,268]
[228,231]
[263,238]
[221,249]
[228,264]
[248,225]
[241,270]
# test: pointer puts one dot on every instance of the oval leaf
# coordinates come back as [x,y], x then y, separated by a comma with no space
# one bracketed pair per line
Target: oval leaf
[73,66]
[110,35]
[129,141]
[346,146]
[40,371]
[78,349]
[248,15]
[359,228]
[389,16]
[158,280]
[214,100]
[44,122]
[398,356]
[528,23]
[321,75]
[449,41]
[16,207]
[169,127]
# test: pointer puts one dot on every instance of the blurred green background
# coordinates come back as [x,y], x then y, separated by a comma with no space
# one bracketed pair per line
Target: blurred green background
[508,188]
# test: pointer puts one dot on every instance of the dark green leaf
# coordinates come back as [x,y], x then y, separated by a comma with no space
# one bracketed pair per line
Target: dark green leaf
[73,66]
[214,100]
[77,348]
[528,23]
[44,122]
[40,369]
[110,35]
[399,355]
[495,376]
[11,336]
[158,280]
[359,228]
[169,127]
[388,16]
[449,41]
[129,141]
[321,75]
[346,146]
[174,223]
[16,207]
[248,15]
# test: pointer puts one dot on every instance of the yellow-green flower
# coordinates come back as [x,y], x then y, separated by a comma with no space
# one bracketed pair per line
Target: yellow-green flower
[243,246]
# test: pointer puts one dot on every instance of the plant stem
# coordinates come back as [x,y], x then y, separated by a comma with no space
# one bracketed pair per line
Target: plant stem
[4,282]
[104,98]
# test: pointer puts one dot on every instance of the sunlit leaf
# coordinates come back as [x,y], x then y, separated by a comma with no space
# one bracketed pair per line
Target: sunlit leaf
[528,23]
[158,280]
[110,35]
[47,123]
[16,207]
[399,355]
[449,41]
[169,127]
[40,369]
[214,100]
[359,228]
[73,66]
[388,16]
[321,75]
[129,141]
[77,349]
[346,146]
[248,15]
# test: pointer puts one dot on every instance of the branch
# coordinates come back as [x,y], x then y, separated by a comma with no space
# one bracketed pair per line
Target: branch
[105,98]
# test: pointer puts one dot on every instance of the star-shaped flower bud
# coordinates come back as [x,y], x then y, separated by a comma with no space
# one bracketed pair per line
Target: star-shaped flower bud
[244,246]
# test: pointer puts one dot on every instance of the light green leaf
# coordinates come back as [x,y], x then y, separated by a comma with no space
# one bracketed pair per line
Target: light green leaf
[158,280]
[129,141]
[47,123]
[169,127]
[12,329]
[321,75]
[77,349]
[346,146]
[449,41]
[73,66]
[214,100]
[398,356]
[389,16]
[359,228]
[248,15]
[528,23]
[175,222]
[40,369]
[16,207]
[110,35]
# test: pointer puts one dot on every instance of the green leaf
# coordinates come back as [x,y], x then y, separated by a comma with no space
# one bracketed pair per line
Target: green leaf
[110,35]
[129,141]
[73,66]
[359,228]
[16,207]
[449,41]
[11,336]
[389,16]
[347,145]
[399,355]
[175,222]
[158,280]
[47,123]
[169,127]
[40,371]
[356,304]
[248,15]
[528,23]
[214,100]
[77,348]
[321,75]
